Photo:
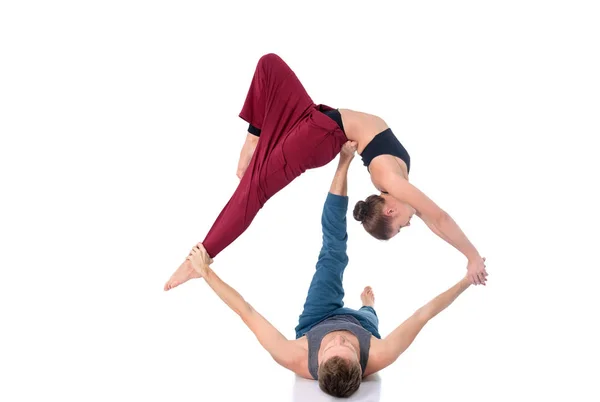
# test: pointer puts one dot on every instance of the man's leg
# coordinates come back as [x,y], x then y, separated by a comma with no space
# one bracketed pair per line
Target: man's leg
[370,314]
[366,315]
[367,311]
[326,293]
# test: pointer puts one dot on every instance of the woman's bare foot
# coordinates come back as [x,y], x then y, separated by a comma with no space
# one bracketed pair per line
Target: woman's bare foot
[368,297]
[184,273]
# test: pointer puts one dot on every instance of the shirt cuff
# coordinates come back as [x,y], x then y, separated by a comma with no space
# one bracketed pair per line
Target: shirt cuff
[253,130]
[339,201]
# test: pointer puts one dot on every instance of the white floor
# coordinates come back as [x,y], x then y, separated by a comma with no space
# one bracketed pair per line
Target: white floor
[119,140]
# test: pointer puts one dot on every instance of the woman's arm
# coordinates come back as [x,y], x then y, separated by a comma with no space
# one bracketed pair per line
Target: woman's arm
[438,220]
[392,346]
[283,351]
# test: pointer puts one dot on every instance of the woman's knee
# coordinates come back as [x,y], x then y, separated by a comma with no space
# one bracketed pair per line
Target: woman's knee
[271,62]
[270,58]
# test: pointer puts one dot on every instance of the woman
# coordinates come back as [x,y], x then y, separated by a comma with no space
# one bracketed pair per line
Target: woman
[384,215]
[335,345]
[288,134]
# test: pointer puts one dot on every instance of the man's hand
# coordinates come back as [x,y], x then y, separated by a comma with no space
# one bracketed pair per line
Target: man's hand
[348,151]
[476,271]
[200,260]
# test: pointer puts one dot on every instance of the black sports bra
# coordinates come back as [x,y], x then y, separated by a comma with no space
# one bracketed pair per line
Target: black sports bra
[385,143]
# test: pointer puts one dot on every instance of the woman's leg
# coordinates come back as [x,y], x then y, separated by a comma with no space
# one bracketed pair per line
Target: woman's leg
[276,100]
[275,105]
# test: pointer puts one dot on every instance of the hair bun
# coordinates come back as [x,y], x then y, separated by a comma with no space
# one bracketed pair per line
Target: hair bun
[360,211]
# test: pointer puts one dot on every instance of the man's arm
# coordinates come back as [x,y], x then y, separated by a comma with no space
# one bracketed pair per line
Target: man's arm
[339,185]
[333,219]
[392,346]
[283,351]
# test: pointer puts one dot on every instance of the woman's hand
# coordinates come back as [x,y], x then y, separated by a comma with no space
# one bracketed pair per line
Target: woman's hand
[476,271]
[200,260]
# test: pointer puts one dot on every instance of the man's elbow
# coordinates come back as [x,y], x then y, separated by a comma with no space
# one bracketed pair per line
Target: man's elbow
[246,312]
[423,315]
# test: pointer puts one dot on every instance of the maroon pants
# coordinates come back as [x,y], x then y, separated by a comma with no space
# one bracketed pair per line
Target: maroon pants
[295,136]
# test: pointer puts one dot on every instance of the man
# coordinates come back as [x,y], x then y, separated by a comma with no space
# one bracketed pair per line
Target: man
[335,345]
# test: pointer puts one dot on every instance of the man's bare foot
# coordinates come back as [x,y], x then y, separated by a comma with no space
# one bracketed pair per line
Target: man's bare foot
[184,273]
[368,297]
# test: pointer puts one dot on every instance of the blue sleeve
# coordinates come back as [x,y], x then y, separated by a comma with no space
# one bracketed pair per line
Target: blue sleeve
[335,235]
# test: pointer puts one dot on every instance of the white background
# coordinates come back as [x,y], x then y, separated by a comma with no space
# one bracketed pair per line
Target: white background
[119,144]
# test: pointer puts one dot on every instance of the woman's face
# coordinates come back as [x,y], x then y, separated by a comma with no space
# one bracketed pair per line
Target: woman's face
[400,213]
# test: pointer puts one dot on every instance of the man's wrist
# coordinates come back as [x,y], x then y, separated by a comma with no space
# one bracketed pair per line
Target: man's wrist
[344,163]
[208,273]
